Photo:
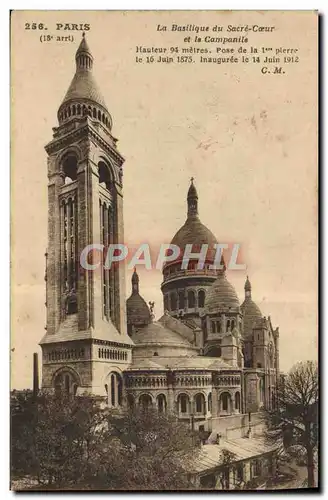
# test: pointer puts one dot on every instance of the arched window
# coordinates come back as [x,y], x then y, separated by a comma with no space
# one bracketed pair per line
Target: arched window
[213,326]
[70,168]
[113,391]
[161,403]
[183,403]
[191,299]
[104,175]
[78,109]
[166,303]
[74,109]
[94,113]
[181,299]
[99,116]
[218,326]
[228,324]
[225,402]
[232,324]
[237,401]
[201,298]
[200,403]
[145,401]
[155,353]
[174,302]
[65,383]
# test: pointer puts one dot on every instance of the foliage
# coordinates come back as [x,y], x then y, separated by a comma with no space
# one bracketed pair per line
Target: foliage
[63,442]
[294,420]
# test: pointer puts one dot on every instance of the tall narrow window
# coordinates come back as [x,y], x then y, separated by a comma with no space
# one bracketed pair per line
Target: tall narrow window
[174,303]
[201,298]
[113,389]
[181,299]
[191,299]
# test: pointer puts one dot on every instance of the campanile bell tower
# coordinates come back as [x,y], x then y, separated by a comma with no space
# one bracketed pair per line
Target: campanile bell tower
[86,346]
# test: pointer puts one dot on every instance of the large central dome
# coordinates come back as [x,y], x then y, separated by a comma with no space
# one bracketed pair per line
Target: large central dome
[193,231]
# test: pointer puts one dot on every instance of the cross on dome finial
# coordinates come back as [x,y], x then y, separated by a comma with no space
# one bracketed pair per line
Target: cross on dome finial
[192,180]
[83,35]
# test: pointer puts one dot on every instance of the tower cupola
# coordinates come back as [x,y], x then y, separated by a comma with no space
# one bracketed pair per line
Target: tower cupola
[83,97]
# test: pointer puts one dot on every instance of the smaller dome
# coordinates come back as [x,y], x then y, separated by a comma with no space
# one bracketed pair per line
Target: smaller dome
[137,310]
[221,294]
[251,312]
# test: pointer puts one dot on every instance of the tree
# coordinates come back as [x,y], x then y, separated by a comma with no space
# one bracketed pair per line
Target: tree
[227,458]
[64,442]
[294,420]
[158,449]
[55,439]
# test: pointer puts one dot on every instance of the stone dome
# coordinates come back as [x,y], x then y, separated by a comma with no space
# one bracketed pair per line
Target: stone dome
[252,314]
[193,231]
[221,294]
[83,96]
[137,311]
[83,85]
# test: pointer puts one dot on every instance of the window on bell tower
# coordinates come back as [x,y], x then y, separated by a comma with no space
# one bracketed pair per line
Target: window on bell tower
[70,168]
[104,175]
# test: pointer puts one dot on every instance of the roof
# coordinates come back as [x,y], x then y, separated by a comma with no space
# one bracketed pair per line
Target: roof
[84,86]
[221,294]
[177,326]
[156,333]
[195,233]
[243,449]
[137,310]
[180,363]
[69,331]
[252,314]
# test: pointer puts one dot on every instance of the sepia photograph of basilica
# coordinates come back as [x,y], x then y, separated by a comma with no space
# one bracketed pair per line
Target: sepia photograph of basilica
[164,251]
